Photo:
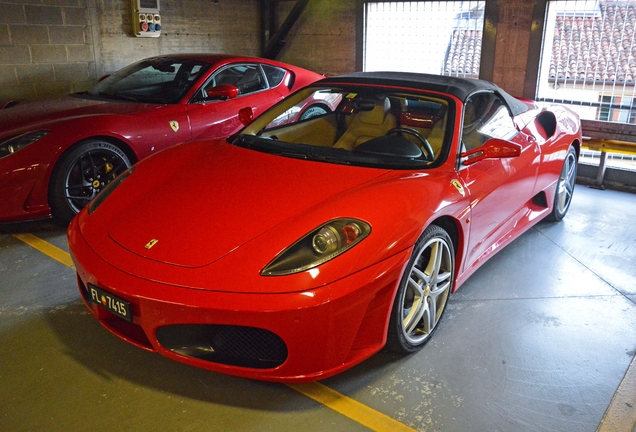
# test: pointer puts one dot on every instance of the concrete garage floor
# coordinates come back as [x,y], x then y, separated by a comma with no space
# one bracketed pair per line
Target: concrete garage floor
[539,339]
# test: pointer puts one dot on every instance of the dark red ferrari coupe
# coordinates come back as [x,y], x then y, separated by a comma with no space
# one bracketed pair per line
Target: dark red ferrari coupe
[55,156]
[300,247]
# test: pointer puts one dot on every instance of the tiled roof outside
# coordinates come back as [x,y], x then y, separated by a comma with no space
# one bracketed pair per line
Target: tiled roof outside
[599,48]
[463,54]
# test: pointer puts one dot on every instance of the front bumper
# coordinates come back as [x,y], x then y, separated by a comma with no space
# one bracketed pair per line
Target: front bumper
[23,190]
[24,179]
[312,334]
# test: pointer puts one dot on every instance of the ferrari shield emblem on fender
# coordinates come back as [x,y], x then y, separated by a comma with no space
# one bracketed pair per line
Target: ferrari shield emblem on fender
[459,187]
[174,125]
[151,243]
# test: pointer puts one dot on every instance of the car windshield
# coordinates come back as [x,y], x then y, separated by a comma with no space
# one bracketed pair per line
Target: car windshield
[158,80]
[362,126]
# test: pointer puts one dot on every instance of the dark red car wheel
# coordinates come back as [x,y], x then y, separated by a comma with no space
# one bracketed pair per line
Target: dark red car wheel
[81,173]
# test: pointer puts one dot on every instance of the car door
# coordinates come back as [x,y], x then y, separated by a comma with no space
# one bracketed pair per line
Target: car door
[260,86]
[160,129]
[163,122]
[500,189]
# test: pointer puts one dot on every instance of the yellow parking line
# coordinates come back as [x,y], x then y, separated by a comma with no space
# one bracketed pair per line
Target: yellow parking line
[621,414]
[46,248]
[330,398]
[351,408]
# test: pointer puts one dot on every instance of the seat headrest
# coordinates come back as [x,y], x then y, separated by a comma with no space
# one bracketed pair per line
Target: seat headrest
[377,115]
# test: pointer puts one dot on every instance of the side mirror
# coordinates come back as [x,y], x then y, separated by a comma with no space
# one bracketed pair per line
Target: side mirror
[246,115]
[222,91]
[494,148]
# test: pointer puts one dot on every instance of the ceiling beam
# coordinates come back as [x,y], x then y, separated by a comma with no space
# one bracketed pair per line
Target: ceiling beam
[275,44]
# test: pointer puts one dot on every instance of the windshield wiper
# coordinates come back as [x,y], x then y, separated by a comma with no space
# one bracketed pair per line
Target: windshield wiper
[327,158]
[263,144]
[313,156]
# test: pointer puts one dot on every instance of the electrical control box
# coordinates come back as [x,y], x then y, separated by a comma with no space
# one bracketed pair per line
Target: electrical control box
[146,18]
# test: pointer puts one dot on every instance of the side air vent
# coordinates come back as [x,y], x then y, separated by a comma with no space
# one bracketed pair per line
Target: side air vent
[231,345]
[548,122]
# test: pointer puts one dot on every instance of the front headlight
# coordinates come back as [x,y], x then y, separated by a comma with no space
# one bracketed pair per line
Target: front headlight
[92,206]
[319,246]
[12,145]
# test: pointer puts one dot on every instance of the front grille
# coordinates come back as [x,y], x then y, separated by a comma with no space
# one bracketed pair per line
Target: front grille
[82,288]
[231,345]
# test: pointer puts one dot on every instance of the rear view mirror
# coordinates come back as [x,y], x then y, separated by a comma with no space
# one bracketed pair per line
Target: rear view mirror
[222,91]
[494,148]
[246,115]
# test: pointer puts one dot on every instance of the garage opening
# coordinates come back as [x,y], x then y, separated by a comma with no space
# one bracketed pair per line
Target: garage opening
[589,63]
[436,37]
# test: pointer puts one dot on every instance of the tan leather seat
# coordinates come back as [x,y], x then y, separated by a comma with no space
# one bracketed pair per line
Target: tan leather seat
[436,137]
[367,125]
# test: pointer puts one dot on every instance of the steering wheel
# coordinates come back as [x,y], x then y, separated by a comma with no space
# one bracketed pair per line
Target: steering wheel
[426,146]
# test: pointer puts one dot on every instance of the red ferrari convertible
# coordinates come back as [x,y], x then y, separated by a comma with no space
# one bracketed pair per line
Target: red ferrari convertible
[300,247]
[55,156]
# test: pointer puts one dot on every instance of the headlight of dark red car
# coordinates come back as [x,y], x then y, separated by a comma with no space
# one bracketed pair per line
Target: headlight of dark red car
[319,246]
[12,145]
[96,202]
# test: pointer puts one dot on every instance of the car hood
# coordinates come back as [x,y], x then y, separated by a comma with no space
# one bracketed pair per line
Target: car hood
[207,200]
[32,114]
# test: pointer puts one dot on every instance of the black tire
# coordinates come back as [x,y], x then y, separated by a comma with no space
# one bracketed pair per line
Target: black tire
[80,173]
[565,187]
[430,274]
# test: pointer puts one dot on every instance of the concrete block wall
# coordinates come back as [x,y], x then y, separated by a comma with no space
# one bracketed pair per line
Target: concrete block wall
[229,27]
[512,45]
[55,47]
[324,37]
[45,49]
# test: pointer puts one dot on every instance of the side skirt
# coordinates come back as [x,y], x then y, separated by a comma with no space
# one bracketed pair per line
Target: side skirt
[530,214]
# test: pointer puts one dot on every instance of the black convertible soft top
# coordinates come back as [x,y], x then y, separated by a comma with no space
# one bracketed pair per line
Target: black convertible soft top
[458,87]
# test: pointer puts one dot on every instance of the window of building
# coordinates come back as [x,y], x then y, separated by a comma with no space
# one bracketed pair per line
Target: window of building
[588,62]
[436,37]
[617,109]
[589,58]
